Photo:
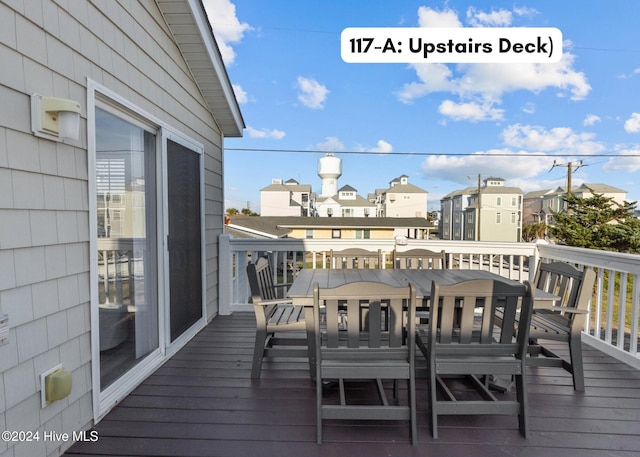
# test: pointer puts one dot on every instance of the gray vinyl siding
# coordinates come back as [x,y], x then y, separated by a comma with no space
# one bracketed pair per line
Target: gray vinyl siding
[52,47]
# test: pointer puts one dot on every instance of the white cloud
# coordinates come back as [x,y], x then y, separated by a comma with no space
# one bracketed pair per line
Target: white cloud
[625,161]
[428,17]
[226,26]
[264,133]
[241,94]
[490,81]
[465,169]
[632,125]
[434,77]
[591,119]
[499,18]
[382,147]
[529,108]
[312,94]
[471,111]
[630,75]
[525,11]
[559,139]
[331,144]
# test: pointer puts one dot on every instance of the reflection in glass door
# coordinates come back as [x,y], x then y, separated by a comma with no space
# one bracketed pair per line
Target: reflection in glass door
[127,243]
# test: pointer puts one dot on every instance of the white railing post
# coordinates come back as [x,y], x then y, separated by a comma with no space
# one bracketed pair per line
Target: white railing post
[225,275]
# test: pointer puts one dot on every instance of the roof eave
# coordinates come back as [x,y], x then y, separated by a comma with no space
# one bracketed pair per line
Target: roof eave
[189,23]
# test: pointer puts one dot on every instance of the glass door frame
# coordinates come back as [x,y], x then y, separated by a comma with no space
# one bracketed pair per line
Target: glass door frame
[99,95]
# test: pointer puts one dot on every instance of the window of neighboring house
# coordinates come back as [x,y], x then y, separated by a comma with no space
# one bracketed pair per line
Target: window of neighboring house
[336,233]
[498,218]
[470,217]
[363,234]
[347,212]
[514,218]
[514,201]
[498,201]
[309,234]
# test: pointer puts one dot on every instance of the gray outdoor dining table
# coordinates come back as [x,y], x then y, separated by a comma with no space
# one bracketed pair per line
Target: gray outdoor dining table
[301,291]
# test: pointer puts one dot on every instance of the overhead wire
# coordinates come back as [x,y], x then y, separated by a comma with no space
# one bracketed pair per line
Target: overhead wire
[613,154]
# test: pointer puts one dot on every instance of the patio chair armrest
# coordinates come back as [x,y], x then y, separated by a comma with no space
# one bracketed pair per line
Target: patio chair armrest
[560,309]
[276,301]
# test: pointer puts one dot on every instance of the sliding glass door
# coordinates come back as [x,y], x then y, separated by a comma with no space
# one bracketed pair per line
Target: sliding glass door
[147,212]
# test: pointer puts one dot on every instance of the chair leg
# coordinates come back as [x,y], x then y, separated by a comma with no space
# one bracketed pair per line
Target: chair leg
[577,368]
[521,395]
[258,353]
[319,409]
[412,410]
[433,409]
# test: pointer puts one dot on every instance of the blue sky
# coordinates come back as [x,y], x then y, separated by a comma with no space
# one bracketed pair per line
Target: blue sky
[440,124]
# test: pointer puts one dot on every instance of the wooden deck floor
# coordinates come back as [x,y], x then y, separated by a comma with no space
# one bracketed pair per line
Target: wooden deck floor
[203,402]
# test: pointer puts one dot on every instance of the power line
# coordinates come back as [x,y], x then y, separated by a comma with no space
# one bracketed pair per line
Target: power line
[614,154]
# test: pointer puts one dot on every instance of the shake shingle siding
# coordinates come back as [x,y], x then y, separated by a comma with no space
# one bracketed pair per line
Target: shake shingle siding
[54,48]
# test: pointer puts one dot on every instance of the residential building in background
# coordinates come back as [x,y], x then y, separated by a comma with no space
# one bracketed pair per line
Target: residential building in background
[346,203]
[351,228]
[453,207]
[400,199]
[286,199]
[492,212]
[538,206]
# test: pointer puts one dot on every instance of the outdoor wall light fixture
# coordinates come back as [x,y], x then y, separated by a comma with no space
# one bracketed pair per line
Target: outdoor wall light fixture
[55,118]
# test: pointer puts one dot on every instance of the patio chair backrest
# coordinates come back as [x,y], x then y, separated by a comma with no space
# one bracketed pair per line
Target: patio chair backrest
[356,258]
[367,314]
[420,259]
[260,278]
[561,279]
[479,314]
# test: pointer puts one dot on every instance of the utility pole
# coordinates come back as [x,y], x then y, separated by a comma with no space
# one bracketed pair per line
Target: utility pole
[570,170]
[479,208]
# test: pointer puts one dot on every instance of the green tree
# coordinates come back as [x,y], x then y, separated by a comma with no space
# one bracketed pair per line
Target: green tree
[248,212]
[232,211]
[531,232]
[598,222]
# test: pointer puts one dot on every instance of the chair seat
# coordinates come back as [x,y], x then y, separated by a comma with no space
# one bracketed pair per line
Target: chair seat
[353,369]
[549,324]
[478,365]
[287,317]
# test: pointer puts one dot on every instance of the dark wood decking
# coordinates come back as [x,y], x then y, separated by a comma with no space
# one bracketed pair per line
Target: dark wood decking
[203,402]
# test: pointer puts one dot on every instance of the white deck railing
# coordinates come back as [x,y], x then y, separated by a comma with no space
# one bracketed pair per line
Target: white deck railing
[616,303]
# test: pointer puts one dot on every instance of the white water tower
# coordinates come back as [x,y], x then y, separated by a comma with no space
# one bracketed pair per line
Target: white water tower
[329,170]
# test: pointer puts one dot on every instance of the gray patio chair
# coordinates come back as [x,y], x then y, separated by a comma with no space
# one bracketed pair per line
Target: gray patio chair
[348,350]
[274,315]
[356,258]
[462,340]
[421,259]
[565,321]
